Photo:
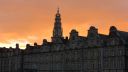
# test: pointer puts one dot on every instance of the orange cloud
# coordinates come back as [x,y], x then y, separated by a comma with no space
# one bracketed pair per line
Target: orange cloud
[29,21]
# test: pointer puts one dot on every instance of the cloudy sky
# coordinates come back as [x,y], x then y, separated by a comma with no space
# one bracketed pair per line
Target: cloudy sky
[29,21]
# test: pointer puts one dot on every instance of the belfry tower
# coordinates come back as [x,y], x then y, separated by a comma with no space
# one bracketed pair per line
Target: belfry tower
[57,31]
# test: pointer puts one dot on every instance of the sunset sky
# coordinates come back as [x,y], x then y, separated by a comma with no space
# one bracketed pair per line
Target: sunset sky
[29,21]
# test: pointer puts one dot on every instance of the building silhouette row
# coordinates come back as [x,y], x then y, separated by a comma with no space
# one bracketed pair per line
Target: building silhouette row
[94,53]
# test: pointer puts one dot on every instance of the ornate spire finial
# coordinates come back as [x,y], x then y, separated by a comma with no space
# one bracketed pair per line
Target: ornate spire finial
[58,10]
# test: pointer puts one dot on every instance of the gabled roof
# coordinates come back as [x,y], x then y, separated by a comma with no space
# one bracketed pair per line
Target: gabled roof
[103,36]
[123,34]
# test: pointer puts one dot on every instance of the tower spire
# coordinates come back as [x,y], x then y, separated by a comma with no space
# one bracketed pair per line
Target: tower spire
[57,31]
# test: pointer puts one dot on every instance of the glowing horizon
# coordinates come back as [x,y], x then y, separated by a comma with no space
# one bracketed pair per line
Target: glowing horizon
[29,21]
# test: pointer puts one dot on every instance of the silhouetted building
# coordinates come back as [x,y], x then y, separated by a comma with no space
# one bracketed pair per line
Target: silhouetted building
[94,53]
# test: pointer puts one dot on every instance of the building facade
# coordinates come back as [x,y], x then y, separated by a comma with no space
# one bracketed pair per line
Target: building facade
[94,53]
